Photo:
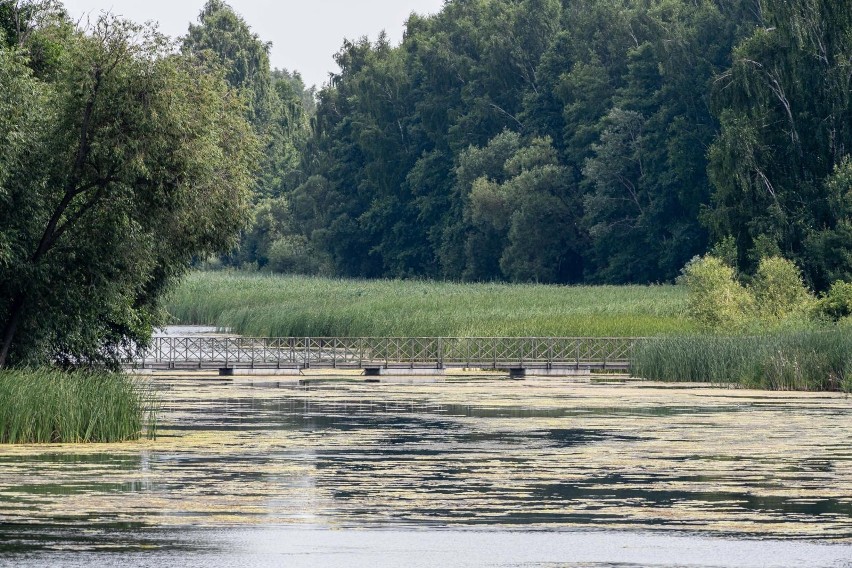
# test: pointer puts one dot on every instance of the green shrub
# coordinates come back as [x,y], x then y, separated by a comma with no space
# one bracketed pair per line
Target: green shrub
[836,304]
[726,251]
[776,298]
[715,299]
[779,291]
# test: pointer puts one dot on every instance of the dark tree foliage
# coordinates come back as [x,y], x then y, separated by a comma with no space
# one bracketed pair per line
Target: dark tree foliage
[223,36]
[780,165]
[526,140]
[279,107]
[558,141]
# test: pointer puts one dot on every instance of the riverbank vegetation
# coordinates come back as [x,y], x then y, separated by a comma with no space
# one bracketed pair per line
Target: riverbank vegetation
[767,330]
[710,298]
[120,160]
[771,333]
[52,406]
[282,306]
[805,360]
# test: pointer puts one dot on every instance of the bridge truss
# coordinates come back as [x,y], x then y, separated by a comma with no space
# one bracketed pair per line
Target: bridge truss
[579,353]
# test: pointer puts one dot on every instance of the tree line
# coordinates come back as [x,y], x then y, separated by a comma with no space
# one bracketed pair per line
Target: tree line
[605,141]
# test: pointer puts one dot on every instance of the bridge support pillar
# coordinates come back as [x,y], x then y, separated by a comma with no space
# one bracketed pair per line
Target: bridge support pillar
[226,372]
[517,373]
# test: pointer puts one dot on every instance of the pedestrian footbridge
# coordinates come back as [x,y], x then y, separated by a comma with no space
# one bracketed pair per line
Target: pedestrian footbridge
[374,354]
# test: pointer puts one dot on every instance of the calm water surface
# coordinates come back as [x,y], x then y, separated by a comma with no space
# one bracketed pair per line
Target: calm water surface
[257,471]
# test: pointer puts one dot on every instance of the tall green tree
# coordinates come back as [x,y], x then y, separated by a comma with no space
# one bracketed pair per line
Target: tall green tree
[640,126]
[19,18]
[364,151]
[280,108]
[521,214]
[396,127]
[127,161]
[785,107]
[21,103]
[225,38]
[40,27]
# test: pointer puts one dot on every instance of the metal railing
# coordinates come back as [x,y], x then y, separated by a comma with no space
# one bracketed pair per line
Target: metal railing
[388,352]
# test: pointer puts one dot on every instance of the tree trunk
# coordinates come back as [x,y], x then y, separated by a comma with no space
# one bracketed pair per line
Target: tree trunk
[16,309]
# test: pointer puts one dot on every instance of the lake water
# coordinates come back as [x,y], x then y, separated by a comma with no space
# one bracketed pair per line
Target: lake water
[254,471]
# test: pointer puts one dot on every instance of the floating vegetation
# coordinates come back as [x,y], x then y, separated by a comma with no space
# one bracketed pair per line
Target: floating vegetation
[52,406]
[811,360]
[539,453]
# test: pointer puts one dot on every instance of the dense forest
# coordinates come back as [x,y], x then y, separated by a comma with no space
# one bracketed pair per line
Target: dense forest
[557,141]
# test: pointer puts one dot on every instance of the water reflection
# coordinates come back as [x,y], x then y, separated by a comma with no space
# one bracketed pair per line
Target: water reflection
[296,547]
[518,455]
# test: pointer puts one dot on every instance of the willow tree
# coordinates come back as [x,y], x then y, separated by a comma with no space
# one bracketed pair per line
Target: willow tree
[786,113]
[127,161]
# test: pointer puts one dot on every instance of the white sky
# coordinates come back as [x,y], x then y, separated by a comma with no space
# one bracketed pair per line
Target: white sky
[304,34]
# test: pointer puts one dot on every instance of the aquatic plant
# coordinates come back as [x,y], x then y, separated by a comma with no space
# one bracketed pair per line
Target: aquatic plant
[52,406]
[804,360]
[282,306]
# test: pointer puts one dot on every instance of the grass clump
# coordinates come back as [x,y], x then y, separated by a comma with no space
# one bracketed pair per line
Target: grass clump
[808,360]
[53,406]
[286,306]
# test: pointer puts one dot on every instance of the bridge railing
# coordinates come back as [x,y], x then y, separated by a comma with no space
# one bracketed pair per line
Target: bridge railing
[482,352]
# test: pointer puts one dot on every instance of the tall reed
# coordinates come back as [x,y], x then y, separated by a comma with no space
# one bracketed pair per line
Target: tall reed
[52,406]
[807,360]
[284,306]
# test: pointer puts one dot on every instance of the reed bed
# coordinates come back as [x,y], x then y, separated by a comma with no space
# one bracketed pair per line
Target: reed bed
[52,406]
[806,360]
[265,305]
